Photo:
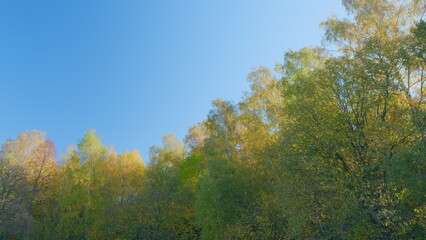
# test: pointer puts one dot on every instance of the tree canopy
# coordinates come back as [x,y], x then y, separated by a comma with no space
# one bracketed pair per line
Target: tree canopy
[331,144]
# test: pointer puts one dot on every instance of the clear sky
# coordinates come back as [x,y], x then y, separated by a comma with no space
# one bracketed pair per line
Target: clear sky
[136,70]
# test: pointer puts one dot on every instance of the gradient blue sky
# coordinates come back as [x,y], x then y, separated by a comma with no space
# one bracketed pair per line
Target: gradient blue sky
[136,70]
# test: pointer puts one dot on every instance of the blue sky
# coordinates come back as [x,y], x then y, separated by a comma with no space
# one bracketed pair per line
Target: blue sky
[136,70]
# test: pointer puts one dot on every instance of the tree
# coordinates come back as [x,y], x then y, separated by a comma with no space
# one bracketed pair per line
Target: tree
[350,117]
[29,169]
[15,215]
[166,203]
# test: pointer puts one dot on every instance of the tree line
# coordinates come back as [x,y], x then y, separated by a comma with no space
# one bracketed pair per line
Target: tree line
[331,144]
